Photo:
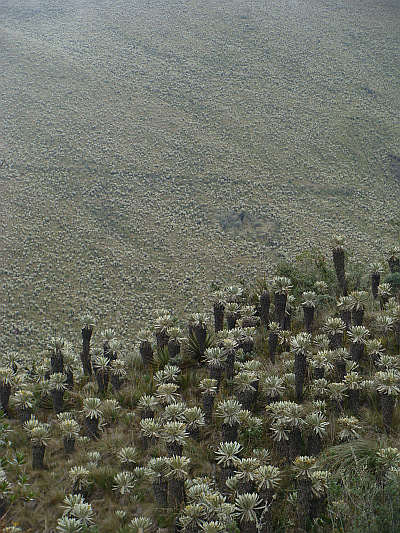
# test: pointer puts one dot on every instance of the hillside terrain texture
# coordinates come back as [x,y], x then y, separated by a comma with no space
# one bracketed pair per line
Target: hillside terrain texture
[155,150]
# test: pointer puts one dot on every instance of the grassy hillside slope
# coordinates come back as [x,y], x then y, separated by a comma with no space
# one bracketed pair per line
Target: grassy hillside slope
[152,148]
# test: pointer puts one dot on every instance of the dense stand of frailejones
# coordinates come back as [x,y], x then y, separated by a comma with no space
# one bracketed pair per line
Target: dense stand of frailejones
[254,419]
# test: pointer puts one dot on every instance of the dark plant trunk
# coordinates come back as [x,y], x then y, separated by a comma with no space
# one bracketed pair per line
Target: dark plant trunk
[340,370]
[147,413]
[148,441]
[247,399]
[287,317]
[24,414]
[162,338]
[85,355]
[5,392]
[79,488]
[304,507]
[335,341]
[294,443]
[176,492]
[280,308]
[356,351]
[336,406]
[57,396]
[231,320]
[92,427]
[394,264]
[69,443]
[247,345]
[282,448]
[146,353]
[200,332]
[174,448]
[102,378]
[208,406]
[194,432]
[387,403]
[265,513]
[219,309]
[338,261]
[57,363]
[376,278]
[317,506]
[353,401]
[69,382]
[230,364]
[116,382]
[160,489]
[272,345]
[215,373]
[300,369]
[248,526]
[265,302]
[345,315]
[225,472]
[229,433]
[318,372]
[38,456]
[3,506]
[308,313]
[174,348]
[249,322]
[358,316]
[246,486]
[314,444]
